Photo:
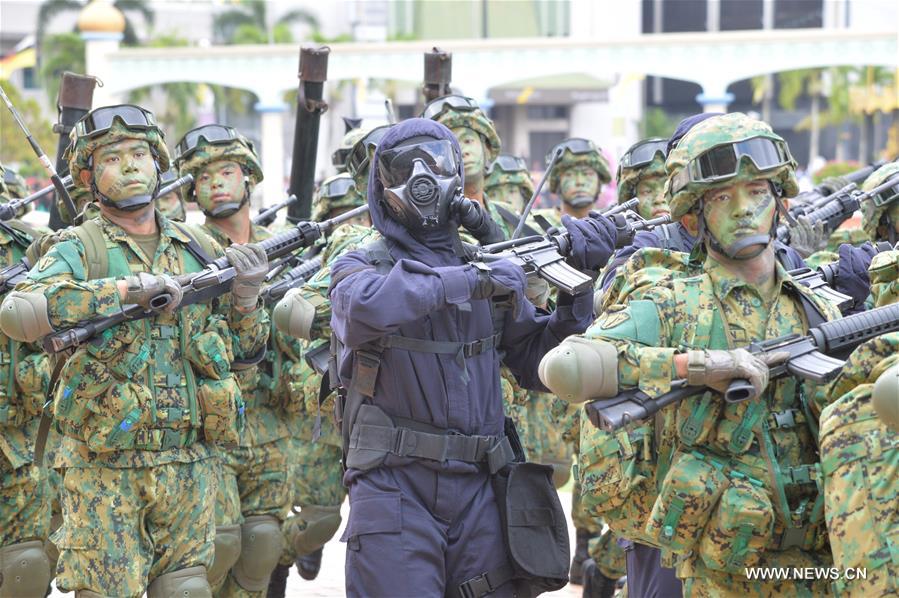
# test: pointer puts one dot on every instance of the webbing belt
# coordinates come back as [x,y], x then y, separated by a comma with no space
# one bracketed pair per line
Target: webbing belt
[486,583]
[434,444]
[469,349]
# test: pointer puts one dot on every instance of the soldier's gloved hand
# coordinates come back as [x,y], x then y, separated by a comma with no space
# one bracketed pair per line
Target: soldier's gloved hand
[501,277]
[251,267]
[807,238]
[592,241]
[143,287]
[717,369]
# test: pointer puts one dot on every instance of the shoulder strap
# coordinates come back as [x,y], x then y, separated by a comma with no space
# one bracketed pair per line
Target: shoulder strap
[91,237]
[512,219]
[202,249]
[814,317]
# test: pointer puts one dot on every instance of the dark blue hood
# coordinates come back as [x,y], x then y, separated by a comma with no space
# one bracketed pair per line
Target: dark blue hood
[434,247]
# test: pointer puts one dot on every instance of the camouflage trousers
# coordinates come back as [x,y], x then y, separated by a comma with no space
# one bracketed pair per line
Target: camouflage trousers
[316,477]
[122,528]
[608,555]
[253,481]
[24,503]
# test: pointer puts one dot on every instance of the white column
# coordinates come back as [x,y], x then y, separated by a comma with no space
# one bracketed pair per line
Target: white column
[97,48]
[272,151]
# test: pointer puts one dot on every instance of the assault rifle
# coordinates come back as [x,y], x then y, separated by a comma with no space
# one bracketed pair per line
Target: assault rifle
[545,255]
[213,281]
[836,208]
[801,204]
[45,191]
[817,357]
[267,216]
[293,278]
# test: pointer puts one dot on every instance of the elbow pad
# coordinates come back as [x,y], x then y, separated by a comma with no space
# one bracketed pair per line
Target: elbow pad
[581,369]
[293,315]
[886,398]
[24,318]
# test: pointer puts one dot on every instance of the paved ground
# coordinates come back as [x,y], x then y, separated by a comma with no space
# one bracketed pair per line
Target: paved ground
[329,583]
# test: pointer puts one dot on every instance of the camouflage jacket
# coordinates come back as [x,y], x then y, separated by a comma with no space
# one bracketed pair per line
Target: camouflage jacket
[758,455]
[860,463]
[259,385]
[148,391]
[24,377]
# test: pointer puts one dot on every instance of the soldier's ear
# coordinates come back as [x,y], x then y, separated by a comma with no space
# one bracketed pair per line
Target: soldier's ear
[85,177]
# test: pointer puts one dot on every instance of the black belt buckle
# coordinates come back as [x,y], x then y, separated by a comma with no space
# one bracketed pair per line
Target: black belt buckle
[475,587]
[473,348]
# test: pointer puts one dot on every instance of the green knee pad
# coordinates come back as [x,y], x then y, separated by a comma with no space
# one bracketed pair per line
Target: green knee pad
[227,551]
[260,549]
[321,525]
[184,583]
[24,570]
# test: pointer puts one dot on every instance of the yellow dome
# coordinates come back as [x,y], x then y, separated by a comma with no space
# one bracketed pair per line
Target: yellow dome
[100,16]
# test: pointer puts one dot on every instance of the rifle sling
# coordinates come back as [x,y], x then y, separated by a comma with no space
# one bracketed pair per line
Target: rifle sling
[513,220]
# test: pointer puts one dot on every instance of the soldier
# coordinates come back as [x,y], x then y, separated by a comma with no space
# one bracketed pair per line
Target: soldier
[316,470]
[16,187]
[738,490]
[880,215]
[140,405]
[435,505]
[480,146]
[577,178]
[509,181]
[25,494]
[641,174]
[171,204]
[254,495]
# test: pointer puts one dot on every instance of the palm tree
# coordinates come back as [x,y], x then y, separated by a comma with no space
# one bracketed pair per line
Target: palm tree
[248,23]
[62,52]
[51,8]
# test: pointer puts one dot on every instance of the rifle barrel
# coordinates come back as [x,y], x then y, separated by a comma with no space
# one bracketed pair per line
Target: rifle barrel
[530,204]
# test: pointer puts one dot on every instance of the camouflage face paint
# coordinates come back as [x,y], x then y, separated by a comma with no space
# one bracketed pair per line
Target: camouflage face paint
[219,182]
[510,194]
[892,215]
[472,152]
[124,169]
[651,196]
[740,210]
[578,181]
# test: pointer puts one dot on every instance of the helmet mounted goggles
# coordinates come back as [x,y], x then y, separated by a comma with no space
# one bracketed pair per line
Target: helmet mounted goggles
[644,152]
[453,102]
[722,162]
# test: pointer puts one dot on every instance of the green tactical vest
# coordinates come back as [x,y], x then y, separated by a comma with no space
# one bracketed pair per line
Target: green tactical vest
[700,422]
[100,409]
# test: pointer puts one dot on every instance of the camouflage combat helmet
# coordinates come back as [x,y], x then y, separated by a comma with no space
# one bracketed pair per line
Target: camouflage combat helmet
[334,193]
[360,156]
[16,187]
[509,170]
[577,152]
[111,124]
[210,143]
[683,189]
[340,155]
[628,177]
[456,111]
[871,212]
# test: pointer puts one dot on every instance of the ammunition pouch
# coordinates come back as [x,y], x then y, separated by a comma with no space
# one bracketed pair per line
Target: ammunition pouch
[376,435]
[535,533]
[222,408]
[184,583]
[24,570]
[260,549]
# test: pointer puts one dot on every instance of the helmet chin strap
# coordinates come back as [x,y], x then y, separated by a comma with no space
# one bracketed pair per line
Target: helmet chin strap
[761,241]
[229,208]
[580,201]
[133,203]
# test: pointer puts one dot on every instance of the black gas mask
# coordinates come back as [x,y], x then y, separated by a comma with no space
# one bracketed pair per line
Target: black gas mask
[421,182]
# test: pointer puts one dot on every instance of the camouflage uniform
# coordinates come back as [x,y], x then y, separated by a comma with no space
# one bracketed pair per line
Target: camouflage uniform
[873,215]
[860,459]
[24,487]
[140,405]
[253,485]
[629,178]
[723,486]
[512,187]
